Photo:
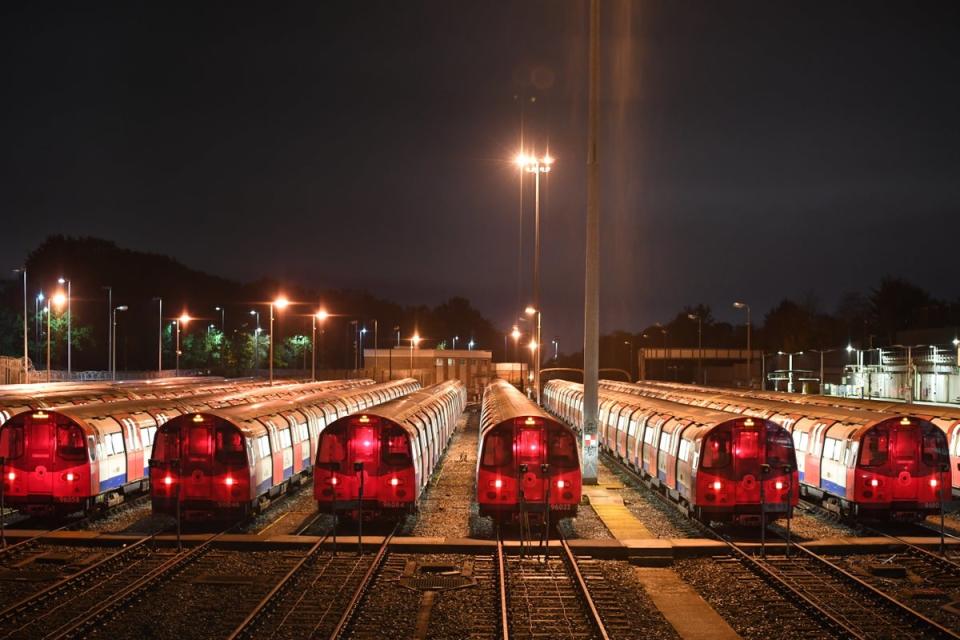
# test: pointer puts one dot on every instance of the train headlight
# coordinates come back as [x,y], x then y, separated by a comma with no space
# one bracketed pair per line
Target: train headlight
[933,482]
[394,482]
[498,483]
[874,482]
[778,485]
[229,481]
[11,476]
[333,481]
[717,485]
[561,484]
[168,480]
[70,476]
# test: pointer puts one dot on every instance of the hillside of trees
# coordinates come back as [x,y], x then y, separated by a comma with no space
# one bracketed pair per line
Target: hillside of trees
[138,279]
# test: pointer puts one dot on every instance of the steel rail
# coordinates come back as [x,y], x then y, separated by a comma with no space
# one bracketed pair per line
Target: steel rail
[353,605]
[581,584]
[925,554]
[247,625]
[136,586]
[35,598]
[502,580]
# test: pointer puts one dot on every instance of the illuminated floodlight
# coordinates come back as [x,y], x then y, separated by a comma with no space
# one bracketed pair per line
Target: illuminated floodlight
[515,333]
[184,318]
[956,342]
[59,299]
[281,303]
[533,345]
[521,160]
[322,315]
[529,310]
[415,339]
[850,348]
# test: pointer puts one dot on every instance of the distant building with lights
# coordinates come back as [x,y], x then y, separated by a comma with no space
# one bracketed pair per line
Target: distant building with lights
[472,367]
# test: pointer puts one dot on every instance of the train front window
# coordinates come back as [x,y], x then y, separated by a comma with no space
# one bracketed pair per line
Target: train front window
[11,441]
[780,450]
[166,445]
[497,450]
[748,445]
[70,442]
[230,449]
[935,450]
[333,450]
[396,447]
[364,444]
[876,447]
[562,450]
[716,451]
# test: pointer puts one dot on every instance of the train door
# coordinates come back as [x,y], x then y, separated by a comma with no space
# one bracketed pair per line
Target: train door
[748,442]
[530,450]
[364,441]
[811,470]
[39,444]
[197,460]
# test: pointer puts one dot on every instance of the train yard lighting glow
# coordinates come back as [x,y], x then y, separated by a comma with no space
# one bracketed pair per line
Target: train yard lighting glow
[281,303]
[956,342]
[416,339]
[515,334]
[322,315]
[532,346]
[184,318]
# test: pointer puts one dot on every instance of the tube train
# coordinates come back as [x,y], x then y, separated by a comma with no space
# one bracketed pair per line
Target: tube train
[18,398]
[947,418]
[226,463]
[82,457]
[715,466]
[861,464]
[527,462]
[378,462]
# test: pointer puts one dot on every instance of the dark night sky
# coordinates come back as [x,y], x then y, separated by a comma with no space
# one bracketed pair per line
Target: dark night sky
[752,150]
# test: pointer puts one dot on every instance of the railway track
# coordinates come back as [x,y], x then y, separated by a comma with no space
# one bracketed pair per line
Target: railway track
[548,597]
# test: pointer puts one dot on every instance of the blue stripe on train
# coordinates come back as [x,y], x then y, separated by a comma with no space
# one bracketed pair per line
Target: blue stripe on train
[264,486]
[113,483]
[287,473]
[802,474]
[833,488]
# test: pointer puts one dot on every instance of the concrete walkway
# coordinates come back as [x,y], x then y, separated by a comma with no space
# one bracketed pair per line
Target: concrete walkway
[689,614]
[615,516]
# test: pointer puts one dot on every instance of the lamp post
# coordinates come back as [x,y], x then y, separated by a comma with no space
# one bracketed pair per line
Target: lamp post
[113,341]
[515,334]
[58,299]
[414,341]
[536,166]
[182,320]
[363,332]
[26,346]
[320,315]
[256,341]
[694,316]
[69,325]
[455,338]
[223,318]
[530,311]
[281,304]
[110,324]
[471,345]
[556,349]
[629,344]
[376,350]
[38,324]
[160,337]
[790,367]
[744,305]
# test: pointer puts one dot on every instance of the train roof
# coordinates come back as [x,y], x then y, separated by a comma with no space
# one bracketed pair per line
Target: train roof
[401,409]
[503,402]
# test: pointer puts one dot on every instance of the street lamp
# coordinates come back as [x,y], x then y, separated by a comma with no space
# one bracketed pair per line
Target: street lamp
[744,305]
[530,311]
[281,304]
[26,347]
[69,326]
[110,358]
[58,299]
[182,320]
[113,341]
[223,318]
[38,324]
[363,361]
[320,315]
[414,341]
[536,166]
[455,338]
[256,341]
[694,316]
[471,345]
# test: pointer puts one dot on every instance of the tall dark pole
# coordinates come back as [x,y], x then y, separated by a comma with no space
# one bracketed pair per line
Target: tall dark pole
[110,323]
[591,313]
[26,345]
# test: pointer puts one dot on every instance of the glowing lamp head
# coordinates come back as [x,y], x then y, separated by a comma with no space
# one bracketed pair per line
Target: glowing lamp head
[529,310]
[415,339]
[281,303]
[849,348]
[533,345]
[515,334]
[62,280]
[956,342]
[717,485]
[184,318]
[905,421]
[198,418]
[521,160]
[322,315]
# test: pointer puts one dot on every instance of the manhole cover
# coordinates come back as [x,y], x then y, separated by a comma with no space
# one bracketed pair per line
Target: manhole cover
[436,577]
